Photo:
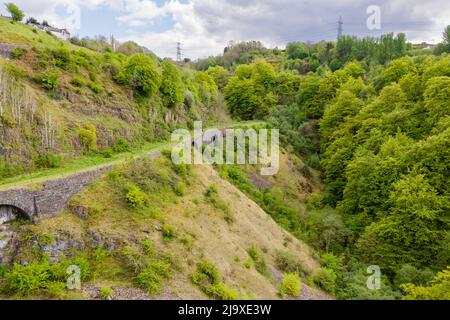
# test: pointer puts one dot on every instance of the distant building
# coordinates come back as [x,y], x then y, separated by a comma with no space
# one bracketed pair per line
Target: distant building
[424,45]
[63,34]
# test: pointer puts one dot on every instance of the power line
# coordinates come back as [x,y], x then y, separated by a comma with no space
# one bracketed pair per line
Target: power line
[178,51]
[340,29]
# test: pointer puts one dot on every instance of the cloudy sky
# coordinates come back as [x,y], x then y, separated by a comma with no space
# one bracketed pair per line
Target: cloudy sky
[204,27]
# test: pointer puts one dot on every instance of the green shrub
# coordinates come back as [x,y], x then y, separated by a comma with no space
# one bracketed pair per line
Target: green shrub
[183,170]
[48,160]
[15,71]
[48,80]
[18,53]
[63,58]
[107,153]
[141,73]
[8,169]
[189,99]
[287,262]
[221,291]
[213,198]
[135,196]
[78,82]
[410,274]
[206,273]
[133,258]
[105,293]
[121,145]
[88,137]
[313,160]
[148,247]
[291,285]
[180,189]
[437,289]
[38,277]
[258,259]
[332,262]
[208,279]
[25,280]
[153,276]
[95,87]
[16,13]
[168,233]
[326,279]
[171,86]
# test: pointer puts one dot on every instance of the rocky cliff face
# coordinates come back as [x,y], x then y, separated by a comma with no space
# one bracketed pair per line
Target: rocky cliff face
[7,215]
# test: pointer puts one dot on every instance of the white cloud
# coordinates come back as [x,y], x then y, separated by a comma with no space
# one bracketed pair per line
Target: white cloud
[205,26]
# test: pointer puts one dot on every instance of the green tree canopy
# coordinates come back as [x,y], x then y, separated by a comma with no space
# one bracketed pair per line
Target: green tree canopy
[16,13]
[171,86]
[141,73]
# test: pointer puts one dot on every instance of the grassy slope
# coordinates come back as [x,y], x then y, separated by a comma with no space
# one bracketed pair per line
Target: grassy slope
[201,232]
[19,33]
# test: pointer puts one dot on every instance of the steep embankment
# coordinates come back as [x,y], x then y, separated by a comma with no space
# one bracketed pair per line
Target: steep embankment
[61,100]
[148,216]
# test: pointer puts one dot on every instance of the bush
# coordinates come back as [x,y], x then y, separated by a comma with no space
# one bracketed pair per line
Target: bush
[78,82]
[153,276]
[38,277]
[287,262]
[63,58]
[32,20]
[8,170]
[410,274]
[141,73]
[16,13]
[437,289]
[88,137]
[107,153]
[15,71]
[48,80]
[213,198]
[168,233]
[135,196]
[189,99]
[183,170]
[171,86]
[326,279]
[221,291]
[180,189]
[258,259]
[105,293]
[313,161]
[206,273]
[208,279]
[25,280]
[121,145]
[48,160]
[291,285]
[95,87]
[18,53]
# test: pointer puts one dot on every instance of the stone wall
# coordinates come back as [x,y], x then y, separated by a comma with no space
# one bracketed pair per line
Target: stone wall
[6,49]
[52,197]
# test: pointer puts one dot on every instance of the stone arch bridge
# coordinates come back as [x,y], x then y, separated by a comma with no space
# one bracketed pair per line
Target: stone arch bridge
[51,198]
